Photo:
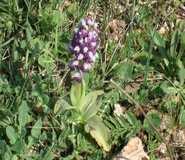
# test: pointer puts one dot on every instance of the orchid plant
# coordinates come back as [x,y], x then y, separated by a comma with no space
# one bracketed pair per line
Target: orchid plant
[83,53]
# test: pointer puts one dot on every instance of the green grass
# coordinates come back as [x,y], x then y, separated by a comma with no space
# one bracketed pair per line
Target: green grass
[34,75]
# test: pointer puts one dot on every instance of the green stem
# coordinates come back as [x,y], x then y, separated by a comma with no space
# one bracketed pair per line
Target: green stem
[78,92]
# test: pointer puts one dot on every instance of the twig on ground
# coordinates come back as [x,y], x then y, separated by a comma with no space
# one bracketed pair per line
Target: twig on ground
[140,108]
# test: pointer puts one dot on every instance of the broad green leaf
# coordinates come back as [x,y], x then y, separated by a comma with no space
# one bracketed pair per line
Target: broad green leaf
[124,70]
[174,43]
[90,99]
[44,98]
[141,56]
[179,63]
[72,95]
[182,25]
[1,82]
[49,155]
[182,46]
[73,8]
[23,44]
[161,46]
[99,132]
[61,106]
[82,88]
[131,118]
[46,60]
[36,92]
[159,42]
[24,117]
[181,75]
[168,89]
[92,109]
[86,77]
[18,146]
[56,16]
[10,132]
[5,150]
[182,117]
[77,94]
[30,141]
[143,96]
[15,157]
[22,132]
[36,129]
[36,42]
[155,119]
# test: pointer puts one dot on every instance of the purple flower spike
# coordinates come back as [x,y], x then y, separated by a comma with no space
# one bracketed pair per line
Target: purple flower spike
[83,48]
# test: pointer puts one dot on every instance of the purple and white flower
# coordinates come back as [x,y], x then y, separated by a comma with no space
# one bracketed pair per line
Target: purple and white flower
[83,48]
